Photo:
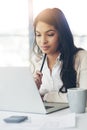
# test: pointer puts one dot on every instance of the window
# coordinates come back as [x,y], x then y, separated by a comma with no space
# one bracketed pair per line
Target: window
[75,12]
[14,43]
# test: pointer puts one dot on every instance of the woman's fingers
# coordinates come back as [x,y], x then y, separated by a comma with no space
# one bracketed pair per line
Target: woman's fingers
[38,78]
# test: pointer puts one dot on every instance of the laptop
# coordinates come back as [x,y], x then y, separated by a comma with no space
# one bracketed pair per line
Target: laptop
[18,92]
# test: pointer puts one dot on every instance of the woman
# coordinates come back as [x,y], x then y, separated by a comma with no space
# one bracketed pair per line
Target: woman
[65,65]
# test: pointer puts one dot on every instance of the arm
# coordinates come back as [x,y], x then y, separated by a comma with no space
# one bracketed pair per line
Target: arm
[81,68]
[54,96]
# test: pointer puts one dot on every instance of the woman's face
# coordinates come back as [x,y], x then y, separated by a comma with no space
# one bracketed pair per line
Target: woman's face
[47,38]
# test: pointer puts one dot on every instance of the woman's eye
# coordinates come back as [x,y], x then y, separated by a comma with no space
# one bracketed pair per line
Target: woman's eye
[51,34]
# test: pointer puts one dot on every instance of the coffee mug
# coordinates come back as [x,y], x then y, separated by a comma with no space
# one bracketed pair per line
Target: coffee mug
[77,99]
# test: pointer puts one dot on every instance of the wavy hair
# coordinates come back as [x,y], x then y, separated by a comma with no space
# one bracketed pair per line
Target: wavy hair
[56,18]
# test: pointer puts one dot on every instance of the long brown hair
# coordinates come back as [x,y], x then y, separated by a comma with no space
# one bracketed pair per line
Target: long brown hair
[67,48]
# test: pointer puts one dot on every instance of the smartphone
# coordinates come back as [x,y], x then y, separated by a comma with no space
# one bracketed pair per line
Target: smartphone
[15,119]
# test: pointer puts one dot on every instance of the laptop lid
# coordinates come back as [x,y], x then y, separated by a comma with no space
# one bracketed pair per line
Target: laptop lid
[18,91]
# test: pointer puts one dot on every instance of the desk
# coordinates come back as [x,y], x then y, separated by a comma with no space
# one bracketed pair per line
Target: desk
[36,120]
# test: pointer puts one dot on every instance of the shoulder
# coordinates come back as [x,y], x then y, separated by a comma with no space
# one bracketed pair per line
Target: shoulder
[36,59]
[81,54]
[35,62]
[81,59]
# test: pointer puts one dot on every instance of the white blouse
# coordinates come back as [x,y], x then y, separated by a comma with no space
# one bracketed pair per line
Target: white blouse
[51,81]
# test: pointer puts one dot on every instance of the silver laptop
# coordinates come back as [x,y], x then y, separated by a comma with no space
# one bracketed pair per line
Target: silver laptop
[18,92]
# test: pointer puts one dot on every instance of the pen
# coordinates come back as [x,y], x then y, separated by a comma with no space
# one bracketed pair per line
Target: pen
[43,63]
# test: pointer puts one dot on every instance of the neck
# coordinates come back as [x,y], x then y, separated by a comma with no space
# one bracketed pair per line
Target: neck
[51,60]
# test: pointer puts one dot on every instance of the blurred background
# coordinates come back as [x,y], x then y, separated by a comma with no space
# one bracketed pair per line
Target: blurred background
[16,26]
[14,32]
[75,12]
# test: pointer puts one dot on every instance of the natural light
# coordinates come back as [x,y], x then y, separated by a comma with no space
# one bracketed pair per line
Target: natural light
[75,11]
[16,28]
[14,22]
[13,16]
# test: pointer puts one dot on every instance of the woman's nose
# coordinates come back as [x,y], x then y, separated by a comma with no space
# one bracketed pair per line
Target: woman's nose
[43,39]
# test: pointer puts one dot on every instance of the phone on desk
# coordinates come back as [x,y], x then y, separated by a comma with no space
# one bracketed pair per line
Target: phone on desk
[15,119]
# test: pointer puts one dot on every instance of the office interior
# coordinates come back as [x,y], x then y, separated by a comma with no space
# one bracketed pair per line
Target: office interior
[16,40]
[16,26]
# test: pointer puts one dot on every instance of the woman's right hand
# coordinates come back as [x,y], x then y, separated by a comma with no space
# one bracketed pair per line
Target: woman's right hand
[38,78]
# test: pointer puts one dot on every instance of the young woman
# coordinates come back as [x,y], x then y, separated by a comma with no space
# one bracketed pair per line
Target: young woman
[65,65]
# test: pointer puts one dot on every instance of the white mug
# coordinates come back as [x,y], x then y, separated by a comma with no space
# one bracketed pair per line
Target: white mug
[77,99]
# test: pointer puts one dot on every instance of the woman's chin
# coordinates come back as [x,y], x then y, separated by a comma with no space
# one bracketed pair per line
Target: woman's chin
[44,52]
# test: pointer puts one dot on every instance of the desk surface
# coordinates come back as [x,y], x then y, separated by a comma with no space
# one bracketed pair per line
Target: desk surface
[35,121]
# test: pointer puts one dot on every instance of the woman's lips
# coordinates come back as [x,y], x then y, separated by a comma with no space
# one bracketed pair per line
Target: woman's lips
[44,47]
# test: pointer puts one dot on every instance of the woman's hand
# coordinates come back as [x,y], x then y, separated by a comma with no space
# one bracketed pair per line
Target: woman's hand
[38,79]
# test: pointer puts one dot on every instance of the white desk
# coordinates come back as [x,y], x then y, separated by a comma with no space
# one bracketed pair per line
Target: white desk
[36,121]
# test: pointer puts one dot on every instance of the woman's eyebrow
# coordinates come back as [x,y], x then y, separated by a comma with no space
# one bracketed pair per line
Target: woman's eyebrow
[50,30]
